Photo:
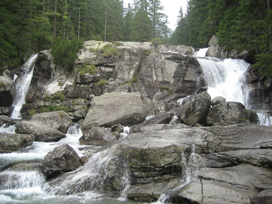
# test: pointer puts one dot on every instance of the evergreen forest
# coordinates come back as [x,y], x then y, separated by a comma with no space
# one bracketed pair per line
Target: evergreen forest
[28,26]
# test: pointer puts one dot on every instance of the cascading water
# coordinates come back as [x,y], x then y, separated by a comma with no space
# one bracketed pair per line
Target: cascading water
[25,186]
[22,86]
[226,78]
[190,171]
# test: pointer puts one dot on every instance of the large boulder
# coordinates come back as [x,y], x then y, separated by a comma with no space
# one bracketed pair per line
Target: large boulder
[230,113]
[6,96]
[59,120]
[14,142]
[117,108]
[62,159]
[41,132]
[97,136]
[195,109]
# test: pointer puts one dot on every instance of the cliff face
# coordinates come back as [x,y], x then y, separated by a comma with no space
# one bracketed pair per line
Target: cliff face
[158,72]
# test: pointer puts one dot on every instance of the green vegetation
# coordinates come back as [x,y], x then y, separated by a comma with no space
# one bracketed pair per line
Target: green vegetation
[133,80]
[239,24]
[91,69]
[102,82]
[58,96]
[50,108]
[65,52]
[109,51]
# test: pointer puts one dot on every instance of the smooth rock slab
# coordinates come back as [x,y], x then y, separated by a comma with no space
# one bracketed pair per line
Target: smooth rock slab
[59,120]
[117,108]
[13,142]
[41,132]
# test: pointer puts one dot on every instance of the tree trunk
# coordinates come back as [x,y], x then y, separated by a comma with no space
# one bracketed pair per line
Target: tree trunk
[106,23]
[269,27]
[55,19]
[78,30]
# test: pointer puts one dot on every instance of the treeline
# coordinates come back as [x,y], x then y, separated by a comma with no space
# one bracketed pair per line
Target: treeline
[27,26]
[239,24]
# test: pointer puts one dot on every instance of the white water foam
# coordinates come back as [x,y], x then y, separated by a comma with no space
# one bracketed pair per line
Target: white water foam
[225,78]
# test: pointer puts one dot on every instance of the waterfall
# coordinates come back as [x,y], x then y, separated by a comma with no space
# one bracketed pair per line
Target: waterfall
[224,77]
[22,86]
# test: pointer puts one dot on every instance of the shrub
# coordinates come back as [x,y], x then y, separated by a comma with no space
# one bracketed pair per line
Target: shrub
[65,52]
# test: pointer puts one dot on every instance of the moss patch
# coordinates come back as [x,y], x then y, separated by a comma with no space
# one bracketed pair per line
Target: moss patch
[109,51]
[51,108]
[91,69]
[102,82]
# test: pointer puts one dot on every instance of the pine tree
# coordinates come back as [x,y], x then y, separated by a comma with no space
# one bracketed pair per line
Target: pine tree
[141,26]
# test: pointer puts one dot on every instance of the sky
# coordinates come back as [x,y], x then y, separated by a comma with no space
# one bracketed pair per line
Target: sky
[171,9]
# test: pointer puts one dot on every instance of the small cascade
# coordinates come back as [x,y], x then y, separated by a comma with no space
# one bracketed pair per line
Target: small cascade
[201,52]
[7,129]
[191,168]
[23,179]
[126,185]
[264,119]
[22,86]
[126,131]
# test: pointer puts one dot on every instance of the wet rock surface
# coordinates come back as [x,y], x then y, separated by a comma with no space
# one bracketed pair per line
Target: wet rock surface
[6,92]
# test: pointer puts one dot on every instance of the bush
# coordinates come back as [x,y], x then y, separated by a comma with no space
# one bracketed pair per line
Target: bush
[65,52]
